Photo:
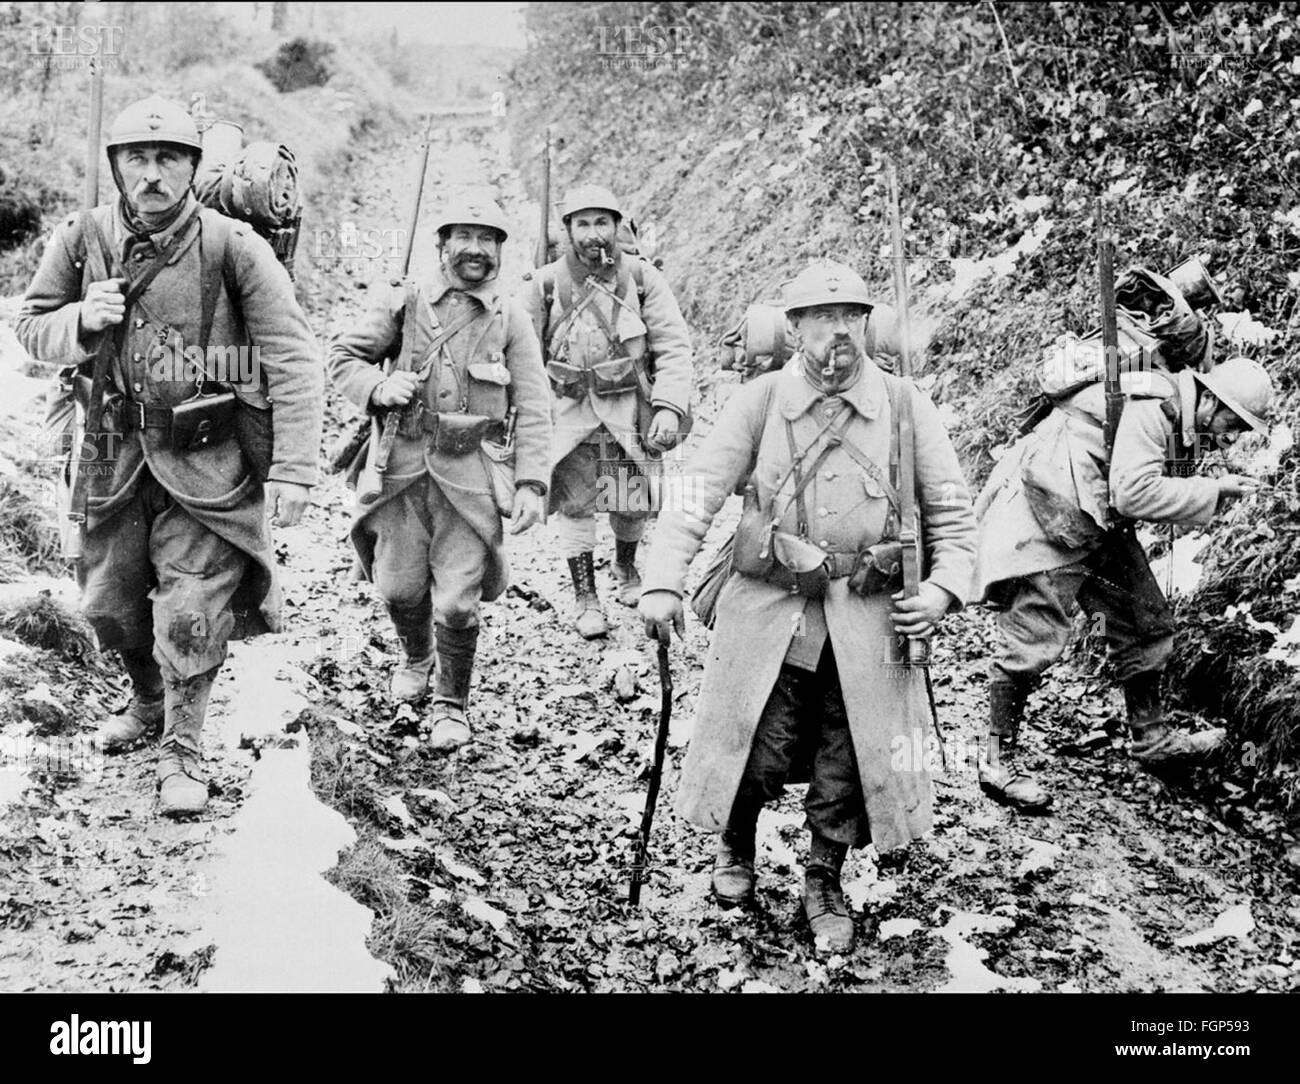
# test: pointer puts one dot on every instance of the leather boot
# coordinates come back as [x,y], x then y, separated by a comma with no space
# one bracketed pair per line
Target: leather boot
[589,619]
[625,573]
[180,775]
[415,631]
[449,728]
[1155,742]
[823,899]
[998,778]
[733,865]
[144,715]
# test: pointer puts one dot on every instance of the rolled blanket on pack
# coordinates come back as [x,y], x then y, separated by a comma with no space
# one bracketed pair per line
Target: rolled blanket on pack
[259,187]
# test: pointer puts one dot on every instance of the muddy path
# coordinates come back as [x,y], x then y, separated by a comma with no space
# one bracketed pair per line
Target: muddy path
[504,866]
[339,854]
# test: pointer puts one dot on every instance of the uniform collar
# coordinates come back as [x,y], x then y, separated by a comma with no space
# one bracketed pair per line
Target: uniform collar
[796,395]
[123,232]
[607,276]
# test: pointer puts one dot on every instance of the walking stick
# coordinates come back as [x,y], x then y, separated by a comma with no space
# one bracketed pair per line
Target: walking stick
[656,775]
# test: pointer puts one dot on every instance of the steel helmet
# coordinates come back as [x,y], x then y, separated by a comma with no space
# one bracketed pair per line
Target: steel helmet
[825,283]
[1243,386]
[473,212]
[589,196]
[154,120]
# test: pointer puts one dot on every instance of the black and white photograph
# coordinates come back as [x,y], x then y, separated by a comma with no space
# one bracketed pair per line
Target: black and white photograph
[652,498]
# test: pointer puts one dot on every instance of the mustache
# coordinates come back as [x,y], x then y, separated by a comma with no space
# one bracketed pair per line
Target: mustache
[473,257]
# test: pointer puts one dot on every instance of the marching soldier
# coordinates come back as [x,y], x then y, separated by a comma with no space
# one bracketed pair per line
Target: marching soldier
[804,667]
[428,531]
[611,334]
[1048,544]
[176,552]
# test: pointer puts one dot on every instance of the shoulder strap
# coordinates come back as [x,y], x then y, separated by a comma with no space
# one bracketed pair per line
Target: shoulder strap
[95,256]
[409,303]
[909,528]
[636,272]
[563,283]
[214,272]
[546,288]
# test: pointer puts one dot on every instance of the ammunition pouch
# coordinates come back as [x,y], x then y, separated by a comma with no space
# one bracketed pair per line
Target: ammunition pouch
[777,557]
[614,377]
[878,569]
[202,422]
[460,434]
[567,381]
[617,376]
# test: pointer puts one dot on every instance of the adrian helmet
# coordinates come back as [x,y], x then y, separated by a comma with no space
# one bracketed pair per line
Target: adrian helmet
[1244,387]
[154,120]
[589,197]
[825,283]
[473,212]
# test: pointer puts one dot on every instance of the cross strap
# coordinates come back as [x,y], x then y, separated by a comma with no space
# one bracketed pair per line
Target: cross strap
[801,481]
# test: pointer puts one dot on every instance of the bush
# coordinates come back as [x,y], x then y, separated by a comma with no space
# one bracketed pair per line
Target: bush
[298,63]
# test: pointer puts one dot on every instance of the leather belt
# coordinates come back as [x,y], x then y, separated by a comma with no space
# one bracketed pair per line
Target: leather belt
[137,416]
[416,418]
[841,564]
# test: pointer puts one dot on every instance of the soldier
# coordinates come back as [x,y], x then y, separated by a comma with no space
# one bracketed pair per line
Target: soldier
[175,546]
[1048,543]
[791,677]
[431,539]
[610,331]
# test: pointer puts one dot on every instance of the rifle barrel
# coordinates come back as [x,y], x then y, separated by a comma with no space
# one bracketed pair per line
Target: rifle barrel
[1109,328]
[419,196]
[544,233]
[91,197]
[900,278]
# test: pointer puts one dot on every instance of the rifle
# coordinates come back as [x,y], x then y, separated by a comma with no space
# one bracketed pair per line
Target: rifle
[641,854]
[918,647]
[1109,329]
[78,499]
[542,252]
[346,451]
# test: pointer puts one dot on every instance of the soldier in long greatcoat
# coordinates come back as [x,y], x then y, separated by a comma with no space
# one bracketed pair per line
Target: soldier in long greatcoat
[816,681]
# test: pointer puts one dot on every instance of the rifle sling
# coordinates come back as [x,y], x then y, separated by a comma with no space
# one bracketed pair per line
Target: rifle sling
[907,493]
[110,346]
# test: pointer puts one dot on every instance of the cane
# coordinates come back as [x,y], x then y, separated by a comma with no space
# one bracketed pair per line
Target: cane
[656,774]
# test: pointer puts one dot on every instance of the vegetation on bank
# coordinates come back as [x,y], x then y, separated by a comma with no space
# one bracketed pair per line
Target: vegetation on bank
[755,136]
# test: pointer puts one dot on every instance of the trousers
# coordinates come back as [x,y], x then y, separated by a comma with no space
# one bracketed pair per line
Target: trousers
[1114,585]
[804,725]
[153,578]
[596,477]
[426,550]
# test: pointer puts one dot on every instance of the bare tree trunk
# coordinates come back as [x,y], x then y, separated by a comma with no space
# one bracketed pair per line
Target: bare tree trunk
[280,16]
